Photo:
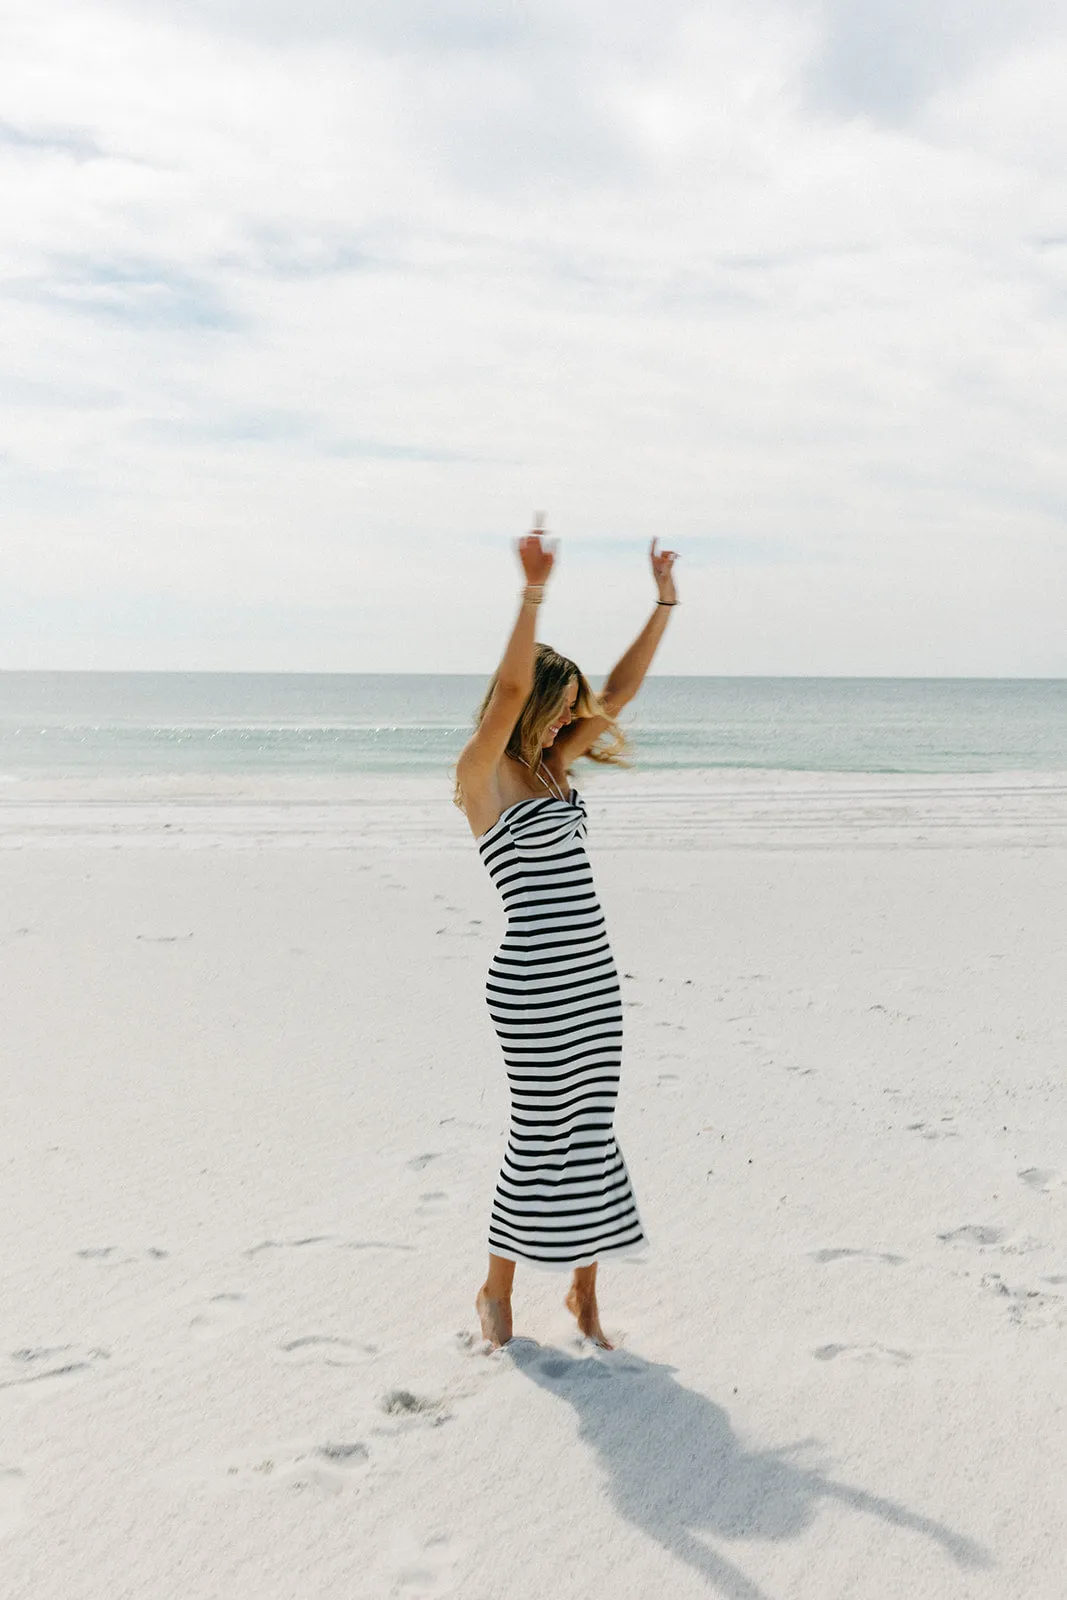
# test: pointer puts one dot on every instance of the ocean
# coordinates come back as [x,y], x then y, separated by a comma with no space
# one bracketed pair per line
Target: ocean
[131,724]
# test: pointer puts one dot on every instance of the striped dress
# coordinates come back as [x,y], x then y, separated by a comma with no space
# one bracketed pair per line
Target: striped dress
[563,1198]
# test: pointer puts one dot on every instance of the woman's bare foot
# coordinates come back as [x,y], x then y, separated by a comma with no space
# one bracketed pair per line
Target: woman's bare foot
[495,1318]
[584,1308]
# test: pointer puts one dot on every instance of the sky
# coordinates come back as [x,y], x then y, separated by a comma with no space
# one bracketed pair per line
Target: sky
[308,308]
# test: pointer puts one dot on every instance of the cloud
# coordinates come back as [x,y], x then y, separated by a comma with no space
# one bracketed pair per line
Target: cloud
[297,300]
[141,294]
[409,25]
[885,59]
[73,142]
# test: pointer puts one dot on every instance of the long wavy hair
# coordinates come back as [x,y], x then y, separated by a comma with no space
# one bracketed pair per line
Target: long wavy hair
[551,675]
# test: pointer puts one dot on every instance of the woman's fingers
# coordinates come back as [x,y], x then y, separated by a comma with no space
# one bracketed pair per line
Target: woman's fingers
[540,542]
[660,556]
[536,555]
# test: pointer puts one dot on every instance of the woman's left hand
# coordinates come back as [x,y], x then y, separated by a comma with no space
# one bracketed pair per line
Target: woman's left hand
[662,562]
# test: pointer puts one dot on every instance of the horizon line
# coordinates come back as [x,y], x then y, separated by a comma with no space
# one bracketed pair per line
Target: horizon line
[312,672]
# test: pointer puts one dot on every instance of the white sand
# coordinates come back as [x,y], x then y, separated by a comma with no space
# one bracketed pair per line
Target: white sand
[253,1114]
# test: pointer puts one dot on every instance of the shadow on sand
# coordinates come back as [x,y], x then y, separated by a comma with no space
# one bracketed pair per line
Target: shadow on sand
[675,1469]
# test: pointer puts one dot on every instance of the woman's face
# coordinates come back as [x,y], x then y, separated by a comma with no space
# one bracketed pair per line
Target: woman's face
[563,714]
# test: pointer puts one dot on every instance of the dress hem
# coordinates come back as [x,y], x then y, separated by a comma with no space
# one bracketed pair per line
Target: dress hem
[569,1266]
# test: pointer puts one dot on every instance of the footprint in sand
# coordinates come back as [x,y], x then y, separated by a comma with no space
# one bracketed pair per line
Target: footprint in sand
[220,1315]
[12,1498]
[49,1365]
[324,1239]
[323,1350]
[876,1354]
[1044,1179]
[417,1163]
[985,1237]
[1027,1307]
[344,1455]
[928,1132]
[114,1257]
[407,1408]
[978,1233]
[323,1470]
[288,1244]
[372,1244]
[841,1253]
[429,1570]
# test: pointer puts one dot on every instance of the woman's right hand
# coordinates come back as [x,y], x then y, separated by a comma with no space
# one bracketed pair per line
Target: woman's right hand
[536,559]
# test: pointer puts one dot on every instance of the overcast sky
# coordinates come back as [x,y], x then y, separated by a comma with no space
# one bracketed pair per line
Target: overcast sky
[307,307]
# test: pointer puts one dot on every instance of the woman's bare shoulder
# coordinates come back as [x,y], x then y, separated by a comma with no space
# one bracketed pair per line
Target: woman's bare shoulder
[486,798]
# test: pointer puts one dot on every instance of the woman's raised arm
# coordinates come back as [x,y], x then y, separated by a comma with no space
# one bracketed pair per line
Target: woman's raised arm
[514,677]
[628,673]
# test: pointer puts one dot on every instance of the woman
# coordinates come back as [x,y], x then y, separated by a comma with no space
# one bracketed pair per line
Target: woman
[563,1198]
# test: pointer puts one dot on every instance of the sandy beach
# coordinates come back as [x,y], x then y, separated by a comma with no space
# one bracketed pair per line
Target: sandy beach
[254,1110]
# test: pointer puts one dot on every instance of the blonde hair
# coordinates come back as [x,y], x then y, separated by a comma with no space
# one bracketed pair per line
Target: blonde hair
[551,675]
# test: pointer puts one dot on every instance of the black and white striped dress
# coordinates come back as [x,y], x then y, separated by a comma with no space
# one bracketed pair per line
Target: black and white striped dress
[563,1198]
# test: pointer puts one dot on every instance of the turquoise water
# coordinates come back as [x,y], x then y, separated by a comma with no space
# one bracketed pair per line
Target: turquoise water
[130,723]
